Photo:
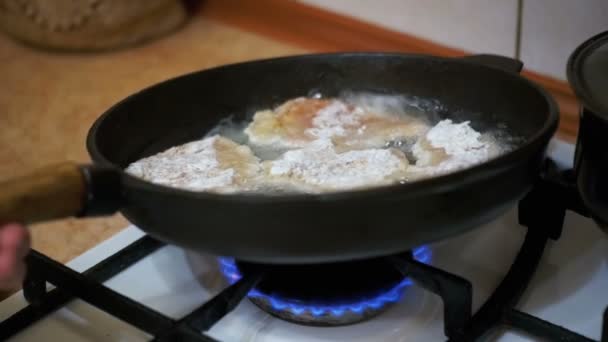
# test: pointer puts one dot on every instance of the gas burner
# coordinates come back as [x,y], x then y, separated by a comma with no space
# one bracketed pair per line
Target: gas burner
[325,294]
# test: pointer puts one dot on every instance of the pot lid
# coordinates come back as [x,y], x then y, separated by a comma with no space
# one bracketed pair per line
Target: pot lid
[588,74]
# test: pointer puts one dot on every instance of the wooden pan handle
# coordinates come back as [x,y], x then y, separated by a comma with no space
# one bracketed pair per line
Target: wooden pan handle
[52,192]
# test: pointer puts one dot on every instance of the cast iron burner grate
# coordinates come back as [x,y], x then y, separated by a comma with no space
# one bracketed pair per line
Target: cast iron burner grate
[329,294]
[543,223]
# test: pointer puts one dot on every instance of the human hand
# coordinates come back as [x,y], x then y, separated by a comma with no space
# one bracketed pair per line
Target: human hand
[14,246]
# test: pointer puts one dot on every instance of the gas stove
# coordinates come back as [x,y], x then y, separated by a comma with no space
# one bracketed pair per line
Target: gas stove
[485,284]
[332,294]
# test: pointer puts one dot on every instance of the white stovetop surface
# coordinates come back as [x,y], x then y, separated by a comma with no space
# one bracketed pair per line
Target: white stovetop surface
[569,289]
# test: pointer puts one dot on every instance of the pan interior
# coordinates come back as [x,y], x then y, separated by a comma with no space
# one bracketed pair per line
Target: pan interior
[189,107]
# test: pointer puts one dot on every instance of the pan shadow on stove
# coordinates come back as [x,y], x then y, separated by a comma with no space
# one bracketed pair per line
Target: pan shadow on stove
[177,276]
[414,317]
[565,268]
[490,251]
[207,271]
[83,325]
[416,306]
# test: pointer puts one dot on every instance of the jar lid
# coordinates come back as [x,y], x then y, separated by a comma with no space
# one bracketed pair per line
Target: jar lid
[588,74]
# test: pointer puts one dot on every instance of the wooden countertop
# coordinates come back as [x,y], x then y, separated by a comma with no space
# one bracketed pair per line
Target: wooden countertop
[49,100]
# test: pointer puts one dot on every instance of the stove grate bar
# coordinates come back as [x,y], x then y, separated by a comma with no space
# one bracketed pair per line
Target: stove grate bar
[509,290]
[541,328]
[88,287]
[110,301]
[211,312]
[543,223]
[98,295]
[515,282]
[456,292]
[203,318]
[44,303]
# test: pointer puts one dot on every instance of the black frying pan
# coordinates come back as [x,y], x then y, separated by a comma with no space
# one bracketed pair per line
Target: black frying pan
[301,228]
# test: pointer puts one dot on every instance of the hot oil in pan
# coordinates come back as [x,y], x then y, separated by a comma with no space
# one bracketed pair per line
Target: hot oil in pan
[235,131]
[323,156]
[400,105]
[429,111]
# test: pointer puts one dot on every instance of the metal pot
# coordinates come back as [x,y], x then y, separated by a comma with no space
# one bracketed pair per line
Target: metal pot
[588,75]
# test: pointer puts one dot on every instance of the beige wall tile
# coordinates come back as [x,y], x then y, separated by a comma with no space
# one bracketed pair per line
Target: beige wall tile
[472,25]
[552,29]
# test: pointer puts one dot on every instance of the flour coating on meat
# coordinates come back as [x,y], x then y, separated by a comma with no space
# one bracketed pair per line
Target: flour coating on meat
[319,167]
[450,146]
[320,145]
[212,164]
[301,121]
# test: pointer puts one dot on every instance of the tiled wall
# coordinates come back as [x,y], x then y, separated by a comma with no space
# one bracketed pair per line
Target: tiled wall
[550,29]
[473,25]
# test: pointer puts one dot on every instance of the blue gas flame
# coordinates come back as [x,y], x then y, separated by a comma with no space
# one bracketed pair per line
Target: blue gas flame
[231,272]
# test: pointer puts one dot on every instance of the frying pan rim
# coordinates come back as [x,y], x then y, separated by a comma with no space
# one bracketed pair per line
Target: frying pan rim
[429,185]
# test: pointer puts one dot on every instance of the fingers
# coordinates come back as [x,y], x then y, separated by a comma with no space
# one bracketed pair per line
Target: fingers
[15,271]
[14,246]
